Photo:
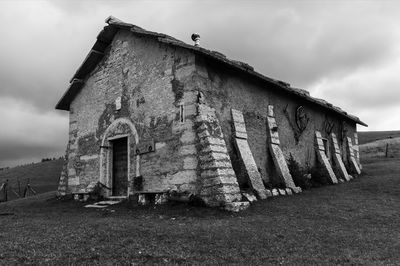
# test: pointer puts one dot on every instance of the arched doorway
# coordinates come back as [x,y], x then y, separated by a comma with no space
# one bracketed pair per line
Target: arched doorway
[119,164]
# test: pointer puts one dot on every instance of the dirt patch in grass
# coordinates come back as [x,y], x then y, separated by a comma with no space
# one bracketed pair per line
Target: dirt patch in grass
[351,223]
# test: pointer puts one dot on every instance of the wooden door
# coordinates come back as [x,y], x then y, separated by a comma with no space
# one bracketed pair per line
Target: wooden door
[120,167]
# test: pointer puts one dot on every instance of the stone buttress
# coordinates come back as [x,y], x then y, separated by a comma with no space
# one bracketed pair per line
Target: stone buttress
[276,152]
[337,157]
[63,181]
[356,148]
[354,167]
[323,159]
[219,184]
[245,154]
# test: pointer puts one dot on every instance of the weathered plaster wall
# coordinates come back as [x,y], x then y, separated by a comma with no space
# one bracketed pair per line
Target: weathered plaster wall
[226,89]
[152,79]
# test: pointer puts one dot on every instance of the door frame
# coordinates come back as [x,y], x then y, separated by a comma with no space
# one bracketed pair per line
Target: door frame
[119,128]
[111,162]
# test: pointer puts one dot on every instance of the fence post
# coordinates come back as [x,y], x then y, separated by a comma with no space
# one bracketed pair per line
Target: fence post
[19,187]
[387,150]
[5,191]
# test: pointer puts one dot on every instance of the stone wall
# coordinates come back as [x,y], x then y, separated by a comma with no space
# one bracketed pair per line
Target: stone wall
[158,86]
[153,81]
[228,89]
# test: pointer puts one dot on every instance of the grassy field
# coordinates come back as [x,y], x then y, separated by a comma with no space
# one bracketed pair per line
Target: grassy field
[381,148]
[351,223]
[43,176]
[370,136]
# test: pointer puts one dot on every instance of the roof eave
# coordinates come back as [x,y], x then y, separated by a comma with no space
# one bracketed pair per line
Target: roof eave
[106,36]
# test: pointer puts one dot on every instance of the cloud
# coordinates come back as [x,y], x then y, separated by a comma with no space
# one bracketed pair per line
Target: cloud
[345,52]
[28,133]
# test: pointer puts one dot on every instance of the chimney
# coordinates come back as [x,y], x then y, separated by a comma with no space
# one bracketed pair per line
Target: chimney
[196,39]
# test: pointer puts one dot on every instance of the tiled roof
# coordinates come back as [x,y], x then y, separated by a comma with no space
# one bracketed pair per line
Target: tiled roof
[106,36]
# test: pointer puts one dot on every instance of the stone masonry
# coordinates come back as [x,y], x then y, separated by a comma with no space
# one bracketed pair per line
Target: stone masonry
[351,158]
[323,159]
[63,182]
[219,185]
[356,148]
[243,149]
[147,90]
[277,154]
[337,158]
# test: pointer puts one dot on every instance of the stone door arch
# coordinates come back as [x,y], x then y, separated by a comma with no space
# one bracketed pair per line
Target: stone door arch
[119,128]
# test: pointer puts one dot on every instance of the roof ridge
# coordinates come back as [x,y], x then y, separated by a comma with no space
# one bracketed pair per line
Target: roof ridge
[107,34]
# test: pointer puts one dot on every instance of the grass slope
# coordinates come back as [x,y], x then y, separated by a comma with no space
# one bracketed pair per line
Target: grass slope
[370,136]
[378,148]
[43,176]
[351,223]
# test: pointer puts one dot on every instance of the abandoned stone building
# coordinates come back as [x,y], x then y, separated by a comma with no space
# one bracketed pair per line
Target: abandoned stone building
[150,115]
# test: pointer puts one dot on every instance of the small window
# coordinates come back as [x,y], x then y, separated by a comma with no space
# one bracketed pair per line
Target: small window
[181,113]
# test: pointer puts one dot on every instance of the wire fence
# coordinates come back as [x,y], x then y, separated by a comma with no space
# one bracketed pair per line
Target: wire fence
[9,191]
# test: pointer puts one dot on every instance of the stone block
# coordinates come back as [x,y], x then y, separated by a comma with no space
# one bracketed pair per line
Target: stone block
[275,140]
[161,198]
[220,189]
[236,206]
[268,193]
[89,157]
[181,177]
[215,164]
[214,148]
[71,171]
[204,134]
[217,172]
[249,196]
[288,191]
[185,187]
[190,109]
[275,192]
[282,192]
[250,166]
[187,149]
[323,160]
[190,163]
[241,135]
[352,160]
[341,169]
[188,137]
[239,126]
[90,188]
[275,149]
[212,141]
[220,180]
[142,200]
[73,181]
[272,126]
[281,165]
[296,190]
[237,116]
[214,156]
[271,110]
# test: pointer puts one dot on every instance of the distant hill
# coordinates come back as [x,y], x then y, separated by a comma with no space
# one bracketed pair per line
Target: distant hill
[370,136]
[378,148]
[43,176]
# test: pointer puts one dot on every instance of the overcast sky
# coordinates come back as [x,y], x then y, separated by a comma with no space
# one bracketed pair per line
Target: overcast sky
[346,52]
